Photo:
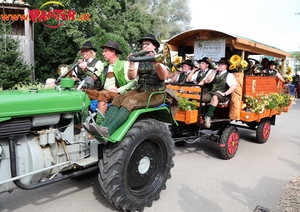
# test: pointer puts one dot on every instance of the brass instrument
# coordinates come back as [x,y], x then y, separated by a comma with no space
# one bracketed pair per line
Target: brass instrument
[63,69]
[163,57]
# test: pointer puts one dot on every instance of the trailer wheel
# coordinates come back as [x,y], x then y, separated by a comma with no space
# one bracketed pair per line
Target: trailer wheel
[229,142]
[134,171]
[263,131]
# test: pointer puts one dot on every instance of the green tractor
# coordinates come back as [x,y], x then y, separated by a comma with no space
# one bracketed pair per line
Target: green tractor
[39,145]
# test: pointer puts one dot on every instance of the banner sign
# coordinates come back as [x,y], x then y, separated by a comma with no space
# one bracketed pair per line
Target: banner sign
[213,48]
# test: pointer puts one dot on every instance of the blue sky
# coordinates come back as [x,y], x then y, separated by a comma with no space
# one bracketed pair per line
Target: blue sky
[272,22]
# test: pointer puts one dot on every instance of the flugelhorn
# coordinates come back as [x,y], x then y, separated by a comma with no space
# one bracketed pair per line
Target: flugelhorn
[163,57]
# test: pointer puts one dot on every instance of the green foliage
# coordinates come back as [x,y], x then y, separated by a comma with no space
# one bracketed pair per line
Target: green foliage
[267,101]
[13,69]
[185,104]
[296,55]
[123,21]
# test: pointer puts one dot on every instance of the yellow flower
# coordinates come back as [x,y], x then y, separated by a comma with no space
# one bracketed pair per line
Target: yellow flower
[288,72]
[235,59]
[174,69]
[232,67]
[288,79]
[244,64]
[176,60]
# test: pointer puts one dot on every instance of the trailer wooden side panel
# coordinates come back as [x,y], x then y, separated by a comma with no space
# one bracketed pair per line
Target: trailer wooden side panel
[254,85]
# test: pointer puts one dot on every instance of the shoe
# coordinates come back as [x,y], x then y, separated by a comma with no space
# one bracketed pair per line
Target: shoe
[86,126]
[99,130]
[207,122]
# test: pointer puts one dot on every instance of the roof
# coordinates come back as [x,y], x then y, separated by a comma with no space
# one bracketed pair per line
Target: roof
[187,38]
[8,7]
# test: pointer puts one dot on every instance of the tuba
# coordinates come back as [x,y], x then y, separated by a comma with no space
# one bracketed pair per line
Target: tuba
[163,57]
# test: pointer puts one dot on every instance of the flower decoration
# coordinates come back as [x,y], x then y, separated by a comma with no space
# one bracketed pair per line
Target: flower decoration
[288,78]
[270,101]
[177,60]
[235,59]
[176,64]
[288,70]
[237,64]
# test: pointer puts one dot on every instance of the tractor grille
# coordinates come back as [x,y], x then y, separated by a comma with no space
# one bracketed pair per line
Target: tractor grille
[15,127]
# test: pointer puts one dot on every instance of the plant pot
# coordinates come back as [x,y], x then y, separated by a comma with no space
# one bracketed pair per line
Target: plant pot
[187,116]
[252,116]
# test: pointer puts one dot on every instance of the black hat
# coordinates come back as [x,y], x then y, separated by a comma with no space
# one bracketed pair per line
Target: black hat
[113,45]
[188,62]
[88,45]
[271,62]
[207,61]
[224,61]
[152,39]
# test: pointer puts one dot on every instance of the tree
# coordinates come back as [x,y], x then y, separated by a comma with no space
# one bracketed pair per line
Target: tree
[296,55]
[124,21]
[13,69]
[173,16]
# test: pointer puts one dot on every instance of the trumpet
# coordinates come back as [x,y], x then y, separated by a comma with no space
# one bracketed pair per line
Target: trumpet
[163,57]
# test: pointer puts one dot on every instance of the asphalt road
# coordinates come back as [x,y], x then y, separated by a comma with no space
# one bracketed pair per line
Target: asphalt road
[201,181]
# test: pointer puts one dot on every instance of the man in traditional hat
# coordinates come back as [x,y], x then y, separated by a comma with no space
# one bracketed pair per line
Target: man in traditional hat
[223,84]
[114,79]
[181,76]
[197,75]
[151,78]
[272,71]
[88,65]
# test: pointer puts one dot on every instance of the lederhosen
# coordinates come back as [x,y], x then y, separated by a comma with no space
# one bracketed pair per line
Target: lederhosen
[218,84]
[118,72]
[148,82]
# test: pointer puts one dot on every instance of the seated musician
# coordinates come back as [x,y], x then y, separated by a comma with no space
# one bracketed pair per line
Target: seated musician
[181,76]
[114,79]
[151,78]
[197,75]
[223,84]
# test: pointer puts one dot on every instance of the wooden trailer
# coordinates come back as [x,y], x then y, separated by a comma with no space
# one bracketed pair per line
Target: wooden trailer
[227,118]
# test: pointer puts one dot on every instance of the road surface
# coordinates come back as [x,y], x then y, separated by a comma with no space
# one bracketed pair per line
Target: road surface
[201,181]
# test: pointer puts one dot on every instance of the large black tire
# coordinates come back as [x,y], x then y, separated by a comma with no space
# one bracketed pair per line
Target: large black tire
[134,171]
[229,142]
[263,131]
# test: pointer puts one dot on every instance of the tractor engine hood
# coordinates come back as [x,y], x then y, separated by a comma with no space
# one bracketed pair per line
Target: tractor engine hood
[22,103]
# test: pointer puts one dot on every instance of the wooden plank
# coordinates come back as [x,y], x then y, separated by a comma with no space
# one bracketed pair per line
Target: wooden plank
[254,85]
